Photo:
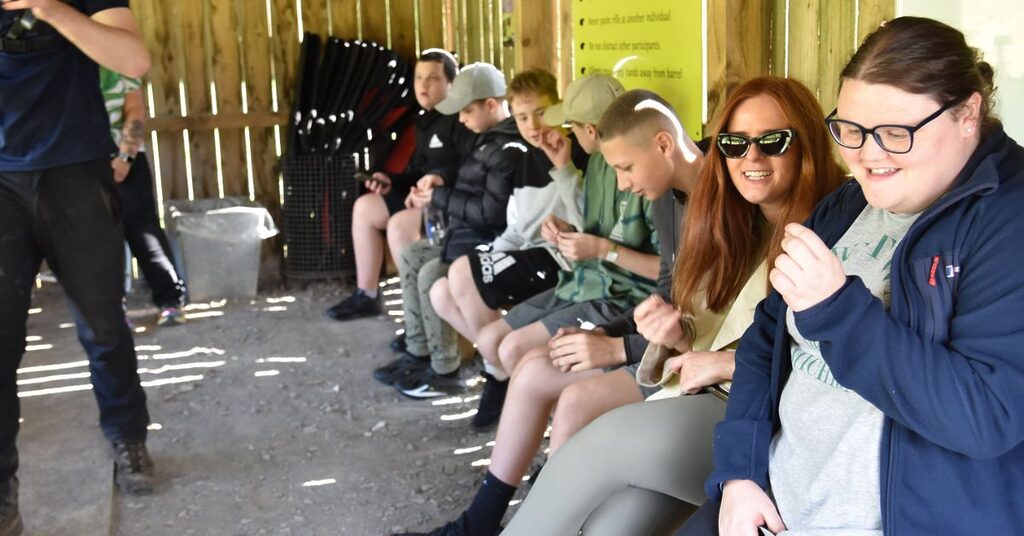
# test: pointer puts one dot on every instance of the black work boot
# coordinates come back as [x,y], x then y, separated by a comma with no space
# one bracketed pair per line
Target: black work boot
[133,468]
[10,518]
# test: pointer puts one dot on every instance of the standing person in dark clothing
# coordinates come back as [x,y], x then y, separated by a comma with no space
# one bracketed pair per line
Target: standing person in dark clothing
[58,202]
[441,144]
[148,243]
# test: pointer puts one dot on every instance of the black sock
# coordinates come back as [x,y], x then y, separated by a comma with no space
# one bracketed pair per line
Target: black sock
[488,507]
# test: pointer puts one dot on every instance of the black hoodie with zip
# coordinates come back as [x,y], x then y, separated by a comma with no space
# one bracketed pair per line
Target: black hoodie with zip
[475,200]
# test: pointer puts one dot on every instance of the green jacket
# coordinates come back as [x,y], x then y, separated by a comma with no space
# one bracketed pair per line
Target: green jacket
[624,218]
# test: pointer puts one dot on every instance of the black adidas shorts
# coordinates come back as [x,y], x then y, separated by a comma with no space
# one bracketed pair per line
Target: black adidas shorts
[510,277]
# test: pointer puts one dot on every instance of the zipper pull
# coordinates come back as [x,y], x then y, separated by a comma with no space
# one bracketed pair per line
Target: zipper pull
[931,273]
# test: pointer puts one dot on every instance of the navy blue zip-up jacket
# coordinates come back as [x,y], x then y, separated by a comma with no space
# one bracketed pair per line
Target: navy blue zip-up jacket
[945,364]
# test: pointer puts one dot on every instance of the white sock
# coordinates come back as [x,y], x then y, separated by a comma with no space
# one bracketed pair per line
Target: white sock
[369,293]
[494,371]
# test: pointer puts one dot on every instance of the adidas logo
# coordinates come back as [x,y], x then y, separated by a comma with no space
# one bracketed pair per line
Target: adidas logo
[435,142]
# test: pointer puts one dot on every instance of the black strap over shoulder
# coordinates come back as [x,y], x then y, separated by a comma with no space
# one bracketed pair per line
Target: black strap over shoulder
[18,46]
[15,41]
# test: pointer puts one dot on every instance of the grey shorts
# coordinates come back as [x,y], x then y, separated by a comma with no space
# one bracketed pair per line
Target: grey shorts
[555,312]
[631,369]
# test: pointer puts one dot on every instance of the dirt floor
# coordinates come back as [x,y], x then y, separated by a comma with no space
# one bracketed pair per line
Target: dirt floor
[265,421]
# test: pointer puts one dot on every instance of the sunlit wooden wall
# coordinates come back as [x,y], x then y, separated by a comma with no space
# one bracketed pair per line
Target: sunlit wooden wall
[810,40]
[220,90]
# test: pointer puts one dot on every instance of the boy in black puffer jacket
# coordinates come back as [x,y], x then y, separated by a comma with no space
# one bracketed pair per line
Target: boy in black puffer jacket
[474,204]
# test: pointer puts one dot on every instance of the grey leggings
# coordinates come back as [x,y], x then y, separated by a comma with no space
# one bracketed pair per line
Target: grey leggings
[626,472]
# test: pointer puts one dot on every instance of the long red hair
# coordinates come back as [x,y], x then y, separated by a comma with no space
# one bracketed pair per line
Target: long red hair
[726,237]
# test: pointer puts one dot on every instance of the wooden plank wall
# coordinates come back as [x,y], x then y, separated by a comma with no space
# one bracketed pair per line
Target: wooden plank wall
[220,89]
[810,40]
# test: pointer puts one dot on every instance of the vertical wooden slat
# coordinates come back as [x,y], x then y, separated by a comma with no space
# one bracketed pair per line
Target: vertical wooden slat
[449,14]
[535,35]
[804,16]
[498,34]
[486,23]
[564,59]
[738,47]
[314,16]
[164,76]
[470,27]
[872,14]
[344,18]
[285,50]
[197,91]
[461,33]
[403,28]
[837,34]
[256,62]
[375,21]
[223,65]
[779,19]
[431,24]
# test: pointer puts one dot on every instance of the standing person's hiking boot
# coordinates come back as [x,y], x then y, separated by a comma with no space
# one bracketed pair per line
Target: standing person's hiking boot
[10,518]
[358,305]
[133,468]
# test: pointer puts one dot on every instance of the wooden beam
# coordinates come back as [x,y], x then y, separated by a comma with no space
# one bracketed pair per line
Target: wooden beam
[223,64]
[193,47]
[208,122]
[837,43]
[163,76]
[563,10]
[314,16]
[344,19]
[535,35]
[257,62]
[375,21]
[738,47]
[804,44]
[403,28]
[872,14]
[432,25]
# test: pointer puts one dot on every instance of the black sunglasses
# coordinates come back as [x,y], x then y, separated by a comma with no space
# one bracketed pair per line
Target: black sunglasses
[774,143]
[895,139]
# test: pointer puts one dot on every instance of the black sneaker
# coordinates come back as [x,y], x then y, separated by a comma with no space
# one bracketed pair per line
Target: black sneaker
[357,305]
[10,518]
[492,399]
[397,369]
[398,344]
[429,384]
[452,528]
[133,468]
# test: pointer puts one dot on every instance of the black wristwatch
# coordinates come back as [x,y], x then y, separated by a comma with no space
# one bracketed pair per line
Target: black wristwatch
[125,157]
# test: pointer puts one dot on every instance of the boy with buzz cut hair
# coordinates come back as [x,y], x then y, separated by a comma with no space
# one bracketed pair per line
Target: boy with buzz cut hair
[473,202]
[520,263]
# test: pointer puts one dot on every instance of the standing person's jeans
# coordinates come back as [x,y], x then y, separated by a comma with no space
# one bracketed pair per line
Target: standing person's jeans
[71,217]
[145,237]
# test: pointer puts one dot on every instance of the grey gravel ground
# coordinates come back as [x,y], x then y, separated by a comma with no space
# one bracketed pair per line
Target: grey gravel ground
[266,422]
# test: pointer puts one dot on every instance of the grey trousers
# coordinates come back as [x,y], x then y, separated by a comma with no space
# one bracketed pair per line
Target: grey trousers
[426,332]
[626,472]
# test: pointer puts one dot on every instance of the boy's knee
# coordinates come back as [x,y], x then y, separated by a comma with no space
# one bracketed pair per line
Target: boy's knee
[440,295]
